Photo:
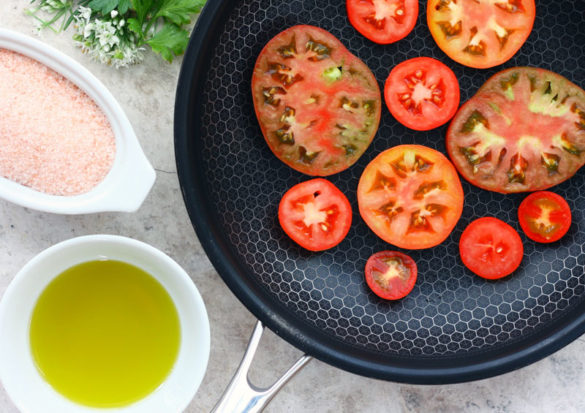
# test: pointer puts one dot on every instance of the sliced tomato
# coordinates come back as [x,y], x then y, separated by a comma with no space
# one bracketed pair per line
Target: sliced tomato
[383,21]
[491,248]
[390,274]
[422,93]
[523,131]
[317,104]
[410,196]
[480,33]
[544,216]
[315,214]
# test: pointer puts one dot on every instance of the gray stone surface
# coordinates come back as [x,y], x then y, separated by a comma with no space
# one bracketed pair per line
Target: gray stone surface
[146,92]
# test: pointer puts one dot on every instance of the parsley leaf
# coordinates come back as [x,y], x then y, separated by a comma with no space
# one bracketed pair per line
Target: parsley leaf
[123,6]
[103,6]
[170,41]
[180,11]
[135,26]
[142,7]
[106,6]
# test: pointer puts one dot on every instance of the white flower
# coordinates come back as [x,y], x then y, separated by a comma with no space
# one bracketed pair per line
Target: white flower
[84,13]
[114,13]
[107,41]
[88,30]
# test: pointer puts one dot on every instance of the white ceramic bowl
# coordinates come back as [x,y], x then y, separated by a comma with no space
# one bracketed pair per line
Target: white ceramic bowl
[22,380]
[126,185]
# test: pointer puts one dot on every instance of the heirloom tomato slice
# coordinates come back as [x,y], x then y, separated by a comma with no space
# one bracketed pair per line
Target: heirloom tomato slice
[422,93]
[544,216]
[523,131]
[491,248]
[410,196]
[315,214]
[390,274]
[317,104]
[383,21]
[480,33]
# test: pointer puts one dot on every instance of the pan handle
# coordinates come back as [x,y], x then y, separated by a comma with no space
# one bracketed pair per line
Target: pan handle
[241,396]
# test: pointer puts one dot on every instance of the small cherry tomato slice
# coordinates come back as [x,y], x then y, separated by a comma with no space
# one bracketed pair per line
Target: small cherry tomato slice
[315,214]
[422,93]
[383,21]
[544,216]
[491,248]
[410,196]
[390,274]
[480,33]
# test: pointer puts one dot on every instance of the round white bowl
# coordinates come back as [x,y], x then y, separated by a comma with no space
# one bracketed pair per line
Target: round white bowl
[129,181]
[21,378]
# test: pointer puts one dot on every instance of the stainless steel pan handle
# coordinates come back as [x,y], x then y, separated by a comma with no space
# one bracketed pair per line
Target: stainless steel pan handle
[242,396]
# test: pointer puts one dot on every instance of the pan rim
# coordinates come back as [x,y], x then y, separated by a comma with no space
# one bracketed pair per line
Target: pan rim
[299,333]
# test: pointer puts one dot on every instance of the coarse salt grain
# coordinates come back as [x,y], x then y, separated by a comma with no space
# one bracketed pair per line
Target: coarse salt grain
[53,136]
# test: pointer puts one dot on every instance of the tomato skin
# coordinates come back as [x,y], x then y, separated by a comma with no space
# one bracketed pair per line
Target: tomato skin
[439,82]
[400,270]
[315,214]
[317,104]
[410,196]
[549,208]
[362,13]
[491,248]
[523,131]
[480,21]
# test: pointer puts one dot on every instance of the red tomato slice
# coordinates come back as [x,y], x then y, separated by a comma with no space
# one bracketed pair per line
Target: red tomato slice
[491,248]
[422,93]
[383,21]
[480,33]
[410,196]
[317,104]
[390,274]
[524,130]
[544,216]
[315,214]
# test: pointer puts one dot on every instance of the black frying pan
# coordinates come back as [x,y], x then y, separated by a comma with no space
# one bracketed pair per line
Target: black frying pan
[454,326]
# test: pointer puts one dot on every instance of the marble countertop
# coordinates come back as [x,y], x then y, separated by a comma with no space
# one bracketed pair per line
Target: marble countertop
[147,92]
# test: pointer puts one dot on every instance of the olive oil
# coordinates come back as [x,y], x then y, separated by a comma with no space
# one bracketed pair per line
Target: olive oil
[105,333]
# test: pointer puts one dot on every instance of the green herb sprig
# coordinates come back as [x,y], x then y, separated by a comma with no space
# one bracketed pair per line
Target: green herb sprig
[117,32]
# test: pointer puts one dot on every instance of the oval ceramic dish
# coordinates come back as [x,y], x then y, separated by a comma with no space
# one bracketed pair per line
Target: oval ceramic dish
[128,182]
[23,381]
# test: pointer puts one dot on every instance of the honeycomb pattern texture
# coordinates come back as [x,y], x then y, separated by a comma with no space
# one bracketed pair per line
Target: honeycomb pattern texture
[450,311]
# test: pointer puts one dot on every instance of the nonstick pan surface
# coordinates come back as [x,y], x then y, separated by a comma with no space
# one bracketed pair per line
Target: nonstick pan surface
[454,326]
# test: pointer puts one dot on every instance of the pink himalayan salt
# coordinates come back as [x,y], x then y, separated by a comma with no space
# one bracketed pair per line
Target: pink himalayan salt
[53,137]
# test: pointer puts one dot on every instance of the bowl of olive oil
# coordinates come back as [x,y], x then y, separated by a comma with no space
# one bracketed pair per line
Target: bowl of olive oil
[102,322]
